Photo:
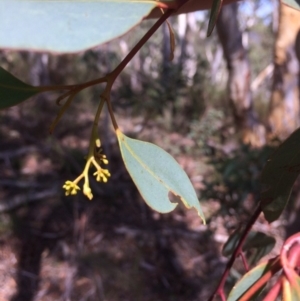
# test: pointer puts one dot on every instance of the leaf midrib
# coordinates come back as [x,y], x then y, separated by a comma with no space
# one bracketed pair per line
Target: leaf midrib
[140,161]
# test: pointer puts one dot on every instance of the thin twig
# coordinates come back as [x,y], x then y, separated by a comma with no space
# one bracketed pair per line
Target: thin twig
[220,288]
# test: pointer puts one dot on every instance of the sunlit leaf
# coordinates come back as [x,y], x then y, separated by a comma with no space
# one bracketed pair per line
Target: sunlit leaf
[279,175]
[13,91]
[69,25]
[292,3]
[214,13]
[156,173]
[250,278]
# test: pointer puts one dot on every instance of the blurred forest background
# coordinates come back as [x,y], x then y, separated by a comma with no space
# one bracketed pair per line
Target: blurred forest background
[220,108]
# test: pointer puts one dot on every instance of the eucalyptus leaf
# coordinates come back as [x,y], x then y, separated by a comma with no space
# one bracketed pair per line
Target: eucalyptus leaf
[69,25]
[250,278]
[13,91]
[214,13]
[156,173]
[279,175]
[292,3]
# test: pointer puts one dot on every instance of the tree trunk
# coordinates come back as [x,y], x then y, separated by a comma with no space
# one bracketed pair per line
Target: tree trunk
[239,78]
[284,104]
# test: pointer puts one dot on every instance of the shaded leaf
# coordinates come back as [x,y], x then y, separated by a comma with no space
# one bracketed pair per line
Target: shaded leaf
[172,41]
[67,26]
[156,173]
[256,246]
[279,175]
[214,13]
[250,278]
[13,91]
[259,244]
[292,3]
[232,242]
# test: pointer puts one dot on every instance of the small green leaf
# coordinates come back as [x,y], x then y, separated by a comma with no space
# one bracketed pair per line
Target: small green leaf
[214,13]
[256,246]
[279,175]
[292,3]
[13,91]
[249,279]
[156,173]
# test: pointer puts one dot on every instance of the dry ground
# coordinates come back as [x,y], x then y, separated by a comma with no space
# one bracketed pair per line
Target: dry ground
[114,247]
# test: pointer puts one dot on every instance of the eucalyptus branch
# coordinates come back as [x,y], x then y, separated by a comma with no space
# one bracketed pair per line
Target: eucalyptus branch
[96,159]
[63,110]
[220,288]
[114,74]
[110,77]
[81,86]
[276,266]
[95,127]
[244,259]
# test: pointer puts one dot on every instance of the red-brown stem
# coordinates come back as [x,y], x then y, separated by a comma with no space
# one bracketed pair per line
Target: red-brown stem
[222,295]
[294,254]
[111,77]
[70,87]
[114,74]
[276,266]
[244,259]
[288,253]
[166,6]
[274,291]
[220,288]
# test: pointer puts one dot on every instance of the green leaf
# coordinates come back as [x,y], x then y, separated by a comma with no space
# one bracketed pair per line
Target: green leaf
[156,173]
[292,3]
[69,25]
[13,91]
[279,175]
[232,242]
[256,246]
[214,13]
[250,278]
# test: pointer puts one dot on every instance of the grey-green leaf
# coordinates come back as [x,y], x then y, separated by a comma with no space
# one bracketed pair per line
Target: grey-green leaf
[292,3]
[156,173]
[66,26]
[214,13]
[279,175]
[247,281]
[12,90]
